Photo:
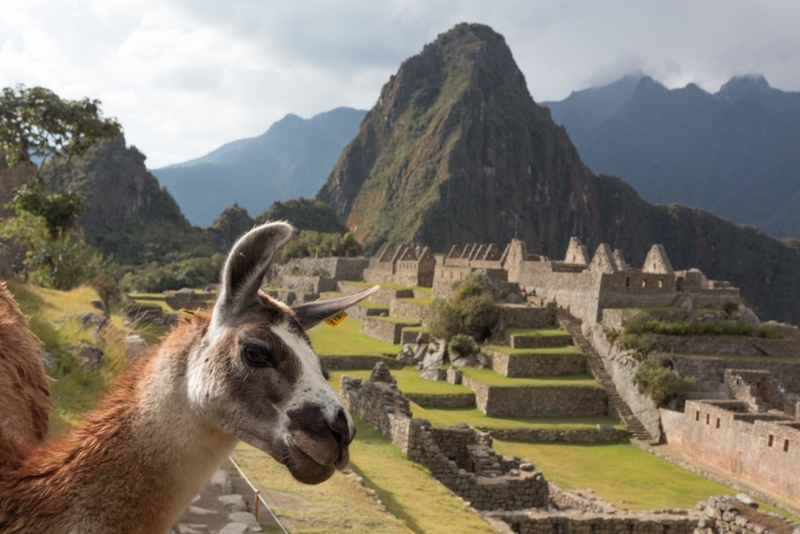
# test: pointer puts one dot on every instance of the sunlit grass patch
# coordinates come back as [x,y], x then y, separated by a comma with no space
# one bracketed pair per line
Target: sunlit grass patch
[474,417]
[491,378]
[408,381]
[347,340]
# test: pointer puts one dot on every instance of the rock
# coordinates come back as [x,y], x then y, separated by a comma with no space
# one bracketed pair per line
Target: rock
[406,355]
[135,346]
[48,360]
[234,502]
[222,480]
[89,357]
[423,338]
[245,517]
[483,359]
[750,318]
[90,320]
[420,351]
[434,359]
[170,320]
[465,361]
[100,305]
[526,466]
[196,510]
[746,499]
[236,528]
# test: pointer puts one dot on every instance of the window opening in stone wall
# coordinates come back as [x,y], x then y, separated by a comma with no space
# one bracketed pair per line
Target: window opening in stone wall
[786,445]
[708,419]
[771,438]
[627,282]
[697,415]
[644,282]
[660,282]
[717,422]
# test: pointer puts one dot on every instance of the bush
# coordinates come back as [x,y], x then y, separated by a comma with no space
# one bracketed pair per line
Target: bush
[154,278]
[59,261]
[659,382]
[472,312]
[310,243]
[460,344]
[730,307]
[681,328]
[768,332]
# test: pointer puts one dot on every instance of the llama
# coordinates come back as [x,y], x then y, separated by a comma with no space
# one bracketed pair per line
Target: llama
[246,372]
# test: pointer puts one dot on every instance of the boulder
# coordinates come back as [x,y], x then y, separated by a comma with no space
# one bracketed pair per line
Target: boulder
[135,346]
[434,359]
[420,351]
[406,355]
[89,357]
[234,502]
[48,360]
[222,481]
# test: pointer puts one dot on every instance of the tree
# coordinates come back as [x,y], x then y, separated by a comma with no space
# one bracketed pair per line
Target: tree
[36,125]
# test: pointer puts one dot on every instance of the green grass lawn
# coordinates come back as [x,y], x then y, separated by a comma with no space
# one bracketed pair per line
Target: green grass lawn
[407,488]
[489,377]
[745,358]
[346,340]
[340,504]
[373,305]
[552,331]
[420,301]
[569,349]
[408,381]
[620,473]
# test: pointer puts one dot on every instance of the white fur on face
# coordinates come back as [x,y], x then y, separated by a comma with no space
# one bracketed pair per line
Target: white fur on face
[311,387]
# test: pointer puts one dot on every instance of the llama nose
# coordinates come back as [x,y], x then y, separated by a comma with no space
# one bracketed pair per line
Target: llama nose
[341,428]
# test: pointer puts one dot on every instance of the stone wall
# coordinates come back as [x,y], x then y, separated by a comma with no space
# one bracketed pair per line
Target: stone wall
[464,400]
[414,311]
[526,316]
[762,450]
[713,369]
[335,268]
[725,345]
[384,329]
[358,362]
[515,365]
[308,284]
[459,457]
[551,401]
[533,522]
[761,391]
[546,435]
[729,514]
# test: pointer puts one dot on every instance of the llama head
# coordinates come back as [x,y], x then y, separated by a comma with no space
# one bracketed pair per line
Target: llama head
[256,375]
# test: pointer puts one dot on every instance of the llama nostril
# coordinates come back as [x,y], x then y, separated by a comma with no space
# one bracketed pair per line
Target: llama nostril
[341,426]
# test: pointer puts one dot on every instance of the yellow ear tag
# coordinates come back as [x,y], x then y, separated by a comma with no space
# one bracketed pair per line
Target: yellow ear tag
[336,319]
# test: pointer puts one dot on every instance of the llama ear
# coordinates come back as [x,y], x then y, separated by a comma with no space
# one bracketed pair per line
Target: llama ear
[310,314]
[247,264]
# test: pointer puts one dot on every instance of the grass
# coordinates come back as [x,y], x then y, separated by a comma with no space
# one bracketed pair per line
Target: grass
[408,381]
[340,504]
[407,489]
[420,301]
[568,349]
[787,359]
[553,331]
[491,378]
[419,328]
[347,340]
[74,389]
[390,319]
[388,285]
[620,473]
[373,305]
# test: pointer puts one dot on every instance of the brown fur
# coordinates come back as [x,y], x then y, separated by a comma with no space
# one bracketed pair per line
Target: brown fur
[98,471]
[24,392]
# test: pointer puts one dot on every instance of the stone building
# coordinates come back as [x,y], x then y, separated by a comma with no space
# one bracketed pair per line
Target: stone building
[754,438]
[406,265]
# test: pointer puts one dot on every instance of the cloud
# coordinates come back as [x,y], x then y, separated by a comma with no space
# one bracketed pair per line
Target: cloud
[185,76]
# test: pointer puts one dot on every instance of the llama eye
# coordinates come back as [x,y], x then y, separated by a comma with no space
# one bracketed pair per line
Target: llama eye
[256,356]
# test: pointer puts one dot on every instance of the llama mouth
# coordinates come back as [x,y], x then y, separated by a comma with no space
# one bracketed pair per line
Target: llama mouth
[305,464]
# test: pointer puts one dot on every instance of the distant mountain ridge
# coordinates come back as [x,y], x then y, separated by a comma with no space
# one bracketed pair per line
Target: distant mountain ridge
[456,151]
[291,159]
[735,152]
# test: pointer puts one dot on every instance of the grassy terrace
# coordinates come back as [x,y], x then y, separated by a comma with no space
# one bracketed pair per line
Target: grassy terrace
[346,340]
[389,285]
[744,358]
[569,349]
[491,378]
[474,417]
[390,319]
[620,473]
[373,305]
[408,381]
[553,331]
[420,301]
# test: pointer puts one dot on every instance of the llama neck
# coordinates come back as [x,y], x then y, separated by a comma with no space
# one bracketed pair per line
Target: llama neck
[141,458]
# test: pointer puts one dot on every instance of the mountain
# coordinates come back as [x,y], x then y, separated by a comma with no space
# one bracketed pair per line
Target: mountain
[291,159]
[128,214]
[735,153]
[456,151]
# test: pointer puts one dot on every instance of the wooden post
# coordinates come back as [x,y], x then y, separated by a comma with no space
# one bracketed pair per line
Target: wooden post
[258,506]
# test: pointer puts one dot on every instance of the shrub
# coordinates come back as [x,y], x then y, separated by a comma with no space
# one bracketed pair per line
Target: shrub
[461,344]
[154,278]
[659,382]
[768,332]
[681,328]
[730,307]
[446,321]
[479,315]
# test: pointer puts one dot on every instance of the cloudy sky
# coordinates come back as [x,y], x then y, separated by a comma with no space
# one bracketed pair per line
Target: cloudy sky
[185,76]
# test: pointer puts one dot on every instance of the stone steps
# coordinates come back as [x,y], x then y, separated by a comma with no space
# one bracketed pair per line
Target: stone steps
[595,365]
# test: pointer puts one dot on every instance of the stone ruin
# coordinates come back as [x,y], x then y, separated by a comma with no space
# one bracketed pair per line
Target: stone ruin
[459,457]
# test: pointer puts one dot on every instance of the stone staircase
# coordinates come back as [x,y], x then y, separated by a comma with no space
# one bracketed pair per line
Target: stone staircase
[595,365]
